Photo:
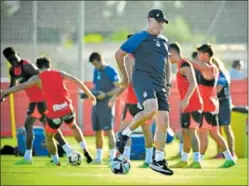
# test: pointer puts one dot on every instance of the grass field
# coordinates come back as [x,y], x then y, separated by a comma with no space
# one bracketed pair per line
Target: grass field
[42,174]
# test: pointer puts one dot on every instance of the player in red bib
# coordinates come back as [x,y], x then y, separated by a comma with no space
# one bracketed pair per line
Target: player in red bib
[59,105]
[207,86]
[22,70]
[131,108]
[191,107]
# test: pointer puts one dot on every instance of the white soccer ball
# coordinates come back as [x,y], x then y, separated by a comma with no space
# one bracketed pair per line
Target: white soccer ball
[75,158]
[120,165]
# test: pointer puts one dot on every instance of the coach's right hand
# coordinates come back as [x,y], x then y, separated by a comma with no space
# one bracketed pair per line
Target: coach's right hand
[93,99]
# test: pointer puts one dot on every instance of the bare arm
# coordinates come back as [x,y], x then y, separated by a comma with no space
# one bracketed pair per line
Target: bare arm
[168,71]
[219,88]
[79,83]
[198,64]
[32,81]
[119,55]
[189,73]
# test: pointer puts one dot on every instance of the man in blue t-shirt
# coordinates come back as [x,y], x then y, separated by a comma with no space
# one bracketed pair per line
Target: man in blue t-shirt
[151,80]
[106,83]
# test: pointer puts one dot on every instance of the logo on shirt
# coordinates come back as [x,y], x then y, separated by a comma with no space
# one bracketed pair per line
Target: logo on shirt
[57,107]
[145,94]
[57,121]
[157,43]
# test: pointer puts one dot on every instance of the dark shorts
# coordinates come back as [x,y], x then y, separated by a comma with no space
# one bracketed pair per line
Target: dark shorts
[102,117]
[133,109]
[209,120]
[55,123]
[191,119]
[225,112]
[157,93]
[37,110]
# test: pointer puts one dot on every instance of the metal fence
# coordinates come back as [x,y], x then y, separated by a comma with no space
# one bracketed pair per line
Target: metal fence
[56,28]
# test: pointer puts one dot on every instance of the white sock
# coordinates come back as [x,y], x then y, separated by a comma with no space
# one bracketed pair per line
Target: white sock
[159,155]
[180,148]
[83,145]
[99,154]
[184,156]
[127,132]
[127,152]
[228,155]
[55,158]
[196,156]
[148,155]
[68,149]
[28,154]
[202,157]
[112,153]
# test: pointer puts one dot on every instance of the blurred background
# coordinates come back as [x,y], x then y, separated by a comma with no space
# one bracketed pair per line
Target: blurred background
[68,31]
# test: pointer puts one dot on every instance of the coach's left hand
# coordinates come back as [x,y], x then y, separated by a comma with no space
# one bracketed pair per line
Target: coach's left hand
[101,95]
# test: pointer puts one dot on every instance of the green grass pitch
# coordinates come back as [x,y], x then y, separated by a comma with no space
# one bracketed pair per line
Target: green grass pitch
[42,174]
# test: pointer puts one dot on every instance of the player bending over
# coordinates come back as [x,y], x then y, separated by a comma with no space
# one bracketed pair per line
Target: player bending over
[59,105]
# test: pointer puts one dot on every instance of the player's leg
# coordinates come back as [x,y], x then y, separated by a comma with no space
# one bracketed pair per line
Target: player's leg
[230,139]
[150,107]
[51,128]
[105,119]
[225,121]
[124,123]
[214,131]
[58,136]
[162,123]
[99,137]
[70,120]
[203,134]
[111,139]
[148,139]
[32,115]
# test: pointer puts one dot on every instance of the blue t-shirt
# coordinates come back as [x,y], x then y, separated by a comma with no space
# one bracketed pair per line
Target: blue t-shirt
[104,79]
[224,82]
[150,53]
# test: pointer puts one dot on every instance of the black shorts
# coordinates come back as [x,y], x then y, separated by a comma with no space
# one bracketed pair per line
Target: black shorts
[225,112]
[191,119]
[102,116]
[55,123]
[37,110]
[209,120]
[132,108]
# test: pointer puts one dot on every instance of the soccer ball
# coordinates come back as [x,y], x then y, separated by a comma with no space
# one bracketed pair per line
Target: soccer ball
[120,165]
[75,158]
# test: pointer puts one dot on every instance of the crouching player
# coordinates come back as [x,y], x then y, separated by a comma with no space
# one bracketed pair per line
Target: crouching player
[59,105]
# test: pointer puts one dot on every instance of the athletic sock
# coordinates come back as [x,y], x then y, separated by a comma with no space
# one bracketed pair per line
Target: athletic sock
[184,156]
[28,154]
[148,155]
[196,156]
[127,152]
[159,155]
[99,154]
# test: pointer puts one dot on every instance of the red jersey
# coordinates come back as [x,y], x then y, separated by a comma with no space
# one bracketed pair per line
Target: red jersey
[208,91]
[34,93]
[131,97]
[195,102]
[56,94]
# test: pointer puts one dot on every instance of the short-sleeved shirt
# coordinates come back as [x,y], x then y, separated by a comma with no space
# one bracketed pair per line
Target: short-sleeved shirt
[225,83]
[104,79]
[237,75]
[150,54]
